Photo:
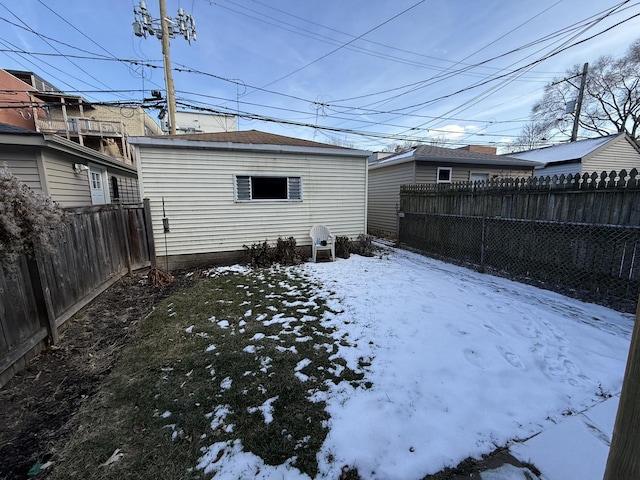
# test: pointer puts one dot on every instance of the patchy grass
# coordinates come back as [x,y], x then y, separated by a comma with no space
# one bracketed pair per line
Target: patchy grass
[471,467]
[239,356]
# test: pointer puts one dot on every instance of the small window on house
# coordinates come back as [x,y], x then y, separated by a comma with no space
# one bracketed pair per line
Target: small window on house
[255,187]
[96,182]
[444,175]
[115,191]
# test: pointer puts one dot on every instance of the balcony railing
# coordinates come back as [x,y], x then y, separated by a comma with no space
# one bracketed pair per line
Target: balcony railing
[82,126]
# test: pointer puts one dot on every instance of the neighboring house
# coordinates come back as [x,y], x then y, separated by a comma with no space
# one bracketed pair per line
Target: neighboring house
[429,164]
[613,152]
[17,102]
[195,122]
[224,191]
[40,106]
[72,175]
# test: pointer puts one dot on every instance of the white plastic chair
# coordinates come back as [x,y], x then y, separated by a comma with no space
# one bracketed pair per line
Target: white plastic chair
[321,239]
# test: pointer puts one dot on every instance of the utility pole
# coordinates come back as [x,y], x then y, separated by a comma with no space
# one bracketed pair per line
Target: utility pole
[576,119]
[624,453]
[164,29]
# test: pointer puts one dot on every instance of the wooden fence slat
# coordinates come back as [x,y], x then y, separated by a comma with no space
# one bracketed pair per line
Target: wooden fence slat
[90,253]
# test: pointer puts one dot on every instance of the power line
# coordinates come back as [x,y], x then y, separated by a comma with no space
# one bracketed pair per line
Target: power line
[47,42]
[332,41]
[345,44]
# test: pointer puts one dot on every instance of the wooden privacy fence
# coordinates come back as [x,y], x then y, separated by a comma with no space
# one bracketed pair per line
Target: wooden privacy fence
[92,249]
[606,198]
[579,238]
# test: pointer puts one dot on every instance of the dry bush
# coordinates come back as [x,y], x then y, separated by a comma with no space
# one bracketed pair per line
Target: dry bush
[343,247]
[27,219]
[363,246]
[160,278]
[284,252]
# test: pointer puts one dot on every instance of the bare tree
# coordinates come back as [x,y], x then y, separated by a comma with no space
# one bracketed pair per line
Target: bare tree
[340,142]
[611,98]
[533,135]
[401,147]
[439,141]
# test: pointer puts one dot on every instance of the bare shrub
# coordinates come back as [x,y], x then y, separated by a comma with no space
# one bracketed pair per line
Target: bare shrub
[363,246]
[284,252]
[27,219]
[343,247]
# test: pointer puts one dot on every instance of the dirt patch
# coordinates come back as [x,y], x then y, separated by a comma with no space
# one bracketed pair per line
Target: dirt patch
[37,404]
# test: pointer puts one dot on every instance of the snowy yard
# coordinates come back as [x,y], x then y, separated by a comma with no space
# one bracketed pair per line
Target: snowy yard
[459,363]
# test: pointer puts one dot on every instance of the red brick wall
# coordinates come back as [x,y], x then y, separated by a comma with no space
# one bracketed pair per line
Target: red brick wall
[480,149]
[13,94]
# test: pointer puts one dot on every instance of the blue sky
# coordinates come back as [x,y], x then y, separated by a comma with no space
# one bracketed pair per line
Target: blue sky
[366,72]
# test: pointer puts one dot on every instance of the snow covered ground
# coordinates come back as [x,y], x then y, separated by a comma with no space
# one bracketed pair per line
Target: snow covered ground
[461,363]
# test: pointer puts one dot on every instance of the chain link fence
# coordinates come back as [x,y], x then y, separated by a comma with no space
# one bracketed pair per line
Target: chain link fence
[593,262]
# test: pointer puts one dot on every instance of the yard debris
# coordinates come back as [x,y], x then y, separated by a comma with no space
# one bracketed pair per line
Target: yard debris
[115,456]
[219,455]
[160,278]
[35,470]
[349,473]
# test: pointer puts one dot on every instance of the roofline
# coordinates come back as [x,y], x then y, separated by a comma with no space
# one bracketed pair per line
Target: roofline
[246,147]
[62,144]
[467,161]
[615,137]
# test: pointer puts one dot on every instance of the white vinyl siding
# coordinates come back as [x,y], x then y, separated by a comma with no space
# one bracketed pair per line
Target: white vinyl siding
[66,187]
[199,191]
[384,195]
[23,164]
[426,173]
[558,169]
[615,155]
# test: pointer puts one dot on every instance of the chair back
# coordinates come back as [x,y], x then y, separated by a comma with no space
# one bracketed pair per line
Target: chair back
[319,231]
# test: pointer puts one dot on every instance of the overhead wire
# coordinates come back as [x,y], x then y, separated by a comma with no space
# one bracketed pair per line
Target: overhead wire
[53,47]
[111,55]
[343,45]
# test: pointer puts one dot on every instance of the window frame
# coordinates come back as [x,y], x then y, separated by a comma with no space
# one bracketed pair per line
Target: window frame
[291,188]
[444,169]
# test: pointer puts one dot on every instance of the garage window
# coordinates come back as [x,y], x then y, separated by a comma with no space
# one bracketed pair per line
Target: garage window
[266,187]
[444,175]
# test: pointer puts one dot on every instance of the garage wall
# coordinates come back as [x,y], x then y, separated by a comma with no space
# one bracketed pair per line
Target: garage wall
[199,197]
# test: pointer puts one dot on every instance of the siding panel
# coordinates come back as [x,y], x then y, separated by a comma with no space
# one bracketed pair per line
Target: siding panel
[204,217]
[69,189]
[617,155]
[384,195]
[23,164]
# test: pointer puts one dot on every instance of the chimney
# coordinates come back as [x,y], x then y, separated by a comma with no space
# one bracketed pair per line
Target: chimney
[480,149]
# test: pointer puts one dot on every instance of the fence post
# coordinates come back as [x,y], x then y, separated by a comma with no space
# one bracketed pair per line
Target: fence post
[482,243]
[125,235]
[42,296]
[149,233]
[624,453]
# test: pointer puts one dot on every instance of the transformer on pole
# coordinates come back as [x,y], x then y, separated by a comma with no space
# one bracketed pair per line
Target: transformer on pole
[165,28]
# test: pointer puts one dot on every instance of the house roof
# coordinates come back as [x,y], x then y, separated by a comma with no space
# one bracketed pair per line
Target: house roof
[250,140]
[253,137]
[429,153]
[11,135]
[6,128]
[566,152]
